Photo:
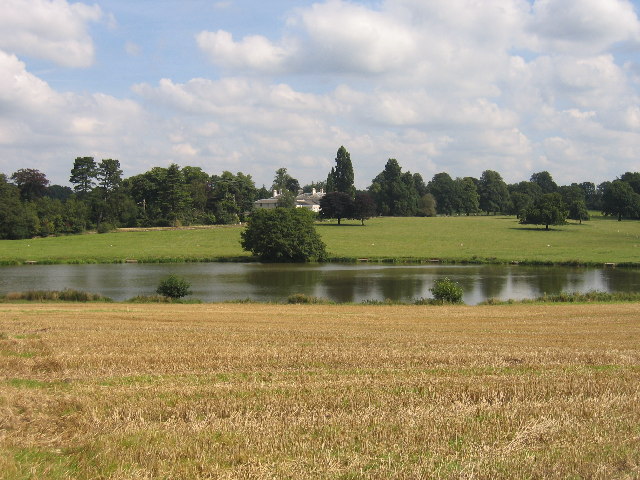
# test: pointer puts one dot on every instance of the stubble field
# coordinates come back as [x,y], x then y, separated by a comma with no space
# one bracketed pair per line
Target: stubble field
[270,391]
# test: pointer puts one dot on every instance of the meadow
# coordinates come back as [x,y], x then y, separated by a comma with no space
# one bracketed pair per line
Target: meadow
[484,239]
[116,391]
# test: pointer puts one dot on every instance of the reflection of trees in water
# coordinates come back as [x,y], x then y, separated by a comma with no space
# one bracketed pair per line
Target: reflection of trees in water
[492,281]
[284,280]
[357,282]
[621,279]
[401,287]
[548,280]
[340,285]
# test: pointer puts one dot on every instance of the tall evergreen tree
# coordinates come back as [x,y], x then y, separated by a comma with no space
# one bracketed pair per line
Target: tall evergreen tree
[342,174]
[83,175]
[109,174]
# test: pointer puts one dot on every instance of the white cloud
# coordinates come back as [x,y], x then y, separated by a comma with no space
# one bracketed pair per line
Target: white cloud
[46,126]
[329,37]
[254,52]
[583,26]
[52,30]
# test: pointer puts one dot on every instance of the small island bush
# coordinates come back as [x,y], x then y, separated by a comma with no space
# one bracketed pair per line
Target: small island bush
[174,287]
[447,291]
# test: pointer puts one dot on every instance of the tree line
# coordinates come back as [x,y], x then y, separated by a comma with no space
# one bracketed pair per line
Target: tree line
[100,198]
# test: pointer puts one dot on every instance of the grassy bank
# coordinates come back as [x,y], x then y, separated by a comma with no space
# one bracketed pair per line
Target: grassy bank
[451,239]
[267,391]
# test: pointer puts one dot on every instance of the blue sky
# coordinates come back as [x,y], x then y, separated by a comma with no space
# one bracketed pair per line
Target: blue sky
[460,86]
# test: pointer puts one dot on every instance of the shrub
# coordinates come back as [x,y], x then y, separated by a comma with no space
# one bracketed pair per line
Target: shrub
[302,298]
[447,291]
[105,227]
[174,287]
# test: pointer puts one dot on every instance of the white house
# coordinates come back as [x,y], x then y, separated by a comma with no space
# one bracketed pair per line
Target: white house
[303,200]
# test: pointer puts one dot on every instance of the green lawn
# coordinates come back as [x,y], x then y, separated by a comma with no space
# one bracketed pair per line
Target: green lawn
[482,239]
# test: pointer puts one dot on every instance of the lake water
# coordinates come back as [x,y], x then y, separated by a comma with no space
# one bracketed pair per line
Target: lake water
[214,282]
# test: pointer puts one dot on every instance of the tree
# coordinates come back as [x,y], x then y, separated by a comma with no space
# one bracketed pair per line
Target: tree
[174,198]
[545,181]
[427,206]
[17,219]
[106,202]
[336,205]
[284,181]
[83,175]
[546,210]
[520,203]
[443,188]
[633,179]
[286,199]
[494,195]
[31,183]
[317,186]
[283,235]
[467,194]
[109,174]
[364,207]
[420,186]
[232,196]
[619,199]
[578,211]
[342,174]
[591,196]
[174,287]
[59,192]
[394,192]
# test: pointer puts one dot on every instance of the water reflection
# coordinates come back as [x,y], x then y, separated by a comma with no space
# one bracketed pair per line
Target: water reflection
[338,282]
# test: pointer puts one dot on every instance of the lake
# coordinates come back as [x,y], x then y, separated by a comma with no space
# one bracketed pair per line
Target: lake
[215,282]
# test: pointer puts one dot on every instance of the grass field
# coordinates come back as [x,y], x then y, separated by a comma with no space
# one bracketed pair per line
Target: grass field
[476,239]
[266,391]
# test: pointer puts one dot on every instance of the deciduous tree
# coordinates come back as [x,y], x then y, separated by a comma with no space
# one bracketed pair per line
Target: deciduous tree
[364,206]
[546,210]
[283,235]
[619,199]
[337,205]
[32,183]
[494,195]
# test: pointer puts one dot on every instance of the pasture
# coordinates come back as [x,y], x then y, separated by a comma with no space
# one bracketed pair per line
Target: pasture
[461,239]
[119,391]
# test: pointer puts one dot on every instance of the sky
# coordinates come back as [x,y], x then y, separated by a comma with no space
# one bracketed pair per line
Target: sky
[456,86]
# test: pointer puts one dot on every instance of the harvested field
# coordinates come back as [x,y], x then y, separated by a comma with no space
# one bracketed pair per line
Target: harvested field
[269,391]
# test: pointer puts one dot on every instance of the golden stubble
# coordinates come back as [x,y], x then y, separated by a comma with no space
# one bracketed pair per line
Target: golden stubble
[272,391]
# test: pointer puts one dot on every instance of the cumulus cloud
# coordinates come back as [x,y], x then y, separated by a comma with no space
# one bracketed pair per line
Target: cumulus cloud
[328,37]
[584,26]
[59,126]
[254,52]
[52,30]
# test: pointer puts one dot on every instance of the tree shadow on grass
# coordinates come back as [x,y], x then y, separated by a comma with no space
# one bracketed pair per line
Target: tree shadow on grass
[537,229]
[341,225]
